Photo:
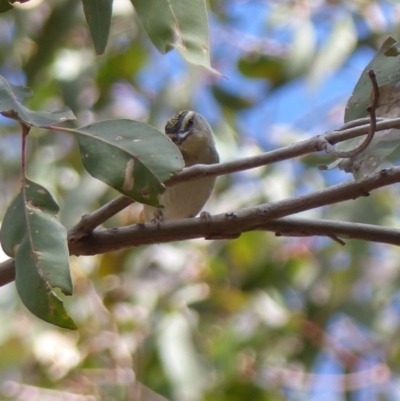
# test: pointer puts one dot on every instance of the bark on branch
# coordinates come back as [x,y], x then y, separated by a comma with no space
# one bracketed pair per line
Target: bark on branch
[270,217]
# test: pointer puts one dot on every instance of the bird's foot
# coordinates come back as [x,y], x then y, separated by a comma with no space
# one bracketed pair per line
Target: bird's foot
[205,217]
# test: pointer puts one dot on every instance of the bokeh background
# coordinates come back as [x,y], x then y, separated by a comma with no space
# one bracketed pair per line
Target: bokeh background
[256,318]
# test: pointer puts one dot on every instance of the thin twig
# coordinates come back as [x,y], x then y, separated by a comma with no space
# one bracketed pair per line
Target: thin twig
[337,239]
[375,89]
[358,123]
[91,221]
[372,128]
[7,271]
[25,131]
[302,148]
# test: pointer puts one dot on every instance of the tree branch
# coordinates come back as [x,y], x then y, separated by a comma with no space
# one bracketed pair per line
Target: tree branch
[264,217]
[314,144]
[347,131]
[232,224]
[179,230]
[7,271]
[91,221]
[287,226]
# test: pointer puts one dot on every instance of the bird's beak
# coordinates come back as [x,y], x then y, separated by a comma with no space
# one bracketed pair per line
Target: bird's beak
[181,136]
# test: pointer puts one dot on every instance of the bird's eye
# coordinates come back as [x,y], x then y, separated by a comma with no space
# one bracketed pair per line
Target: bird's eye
[190,122]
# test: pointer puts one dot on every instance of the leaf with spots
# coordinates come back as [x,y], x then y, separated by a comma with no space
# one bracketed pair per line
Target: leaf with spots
[180,24]
[387,71]
[386,67]
[130,156]
[31,234]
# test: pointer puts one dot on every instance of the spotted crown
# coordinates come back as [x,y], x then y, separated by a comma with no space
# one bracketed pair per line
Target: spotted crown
[175,122]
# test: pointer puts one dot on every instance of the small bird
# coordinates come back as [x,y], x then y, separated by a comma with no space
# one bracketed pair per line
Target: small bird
[194,138]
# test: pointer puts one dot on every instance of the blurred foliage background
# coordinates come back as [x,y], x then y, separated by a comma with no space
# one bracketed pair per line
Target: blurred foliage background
[259,317]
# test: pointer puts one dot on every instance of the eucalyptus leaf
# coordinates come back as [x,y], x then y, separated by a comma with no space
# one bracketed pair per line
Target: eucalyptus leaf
[38,242]
[21,91]
[393,51]
[180,24]
[387,71]
[266,67]
[336,50]
[365,163]
[130,156]
[230,100]
[11,107]
[98,16]
[301,53]
[39,198]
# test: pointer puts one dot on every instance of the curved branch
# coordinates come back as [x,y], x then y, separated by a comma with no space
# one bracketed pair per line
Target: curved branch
[372,128]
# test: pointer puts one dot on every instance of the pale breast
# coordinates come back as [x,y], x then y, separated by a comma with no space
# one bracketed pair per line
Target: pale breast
[182,200]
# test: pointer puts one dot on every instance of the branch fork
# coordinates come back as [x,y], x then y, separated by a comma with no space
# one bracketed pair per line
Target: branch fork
[86,238]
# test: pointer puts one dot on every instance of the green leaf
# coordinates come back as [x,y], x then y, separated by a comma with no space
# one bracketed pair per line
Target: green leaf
[261,66]
[130,156]
[10,107]
[39,198]
[361,166]
[98,16]
[121,65]
[339,46]
[180,24]
[38,242]
[21,91]
[230,100]
[302,51]
[387,70]
[393,51]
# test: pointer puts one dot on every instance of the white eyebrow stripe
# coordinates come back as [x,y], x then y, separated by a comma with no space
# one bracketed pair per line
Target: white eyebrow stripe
[188,116]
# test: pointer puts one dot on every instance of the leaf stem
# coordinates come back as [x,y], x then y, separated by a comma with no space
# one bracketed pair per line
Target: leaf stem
[372,128]
[25,131]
